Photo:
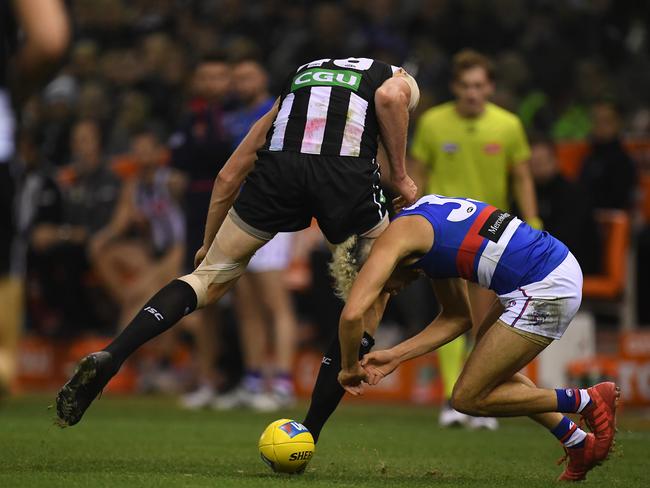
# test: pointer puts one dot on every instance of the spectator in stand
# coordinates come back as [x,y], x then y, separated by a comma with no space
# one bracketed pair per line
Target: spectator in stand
[94,102]
[250,85]
[564,206]
[199,147]
[262,297]
[470,147]
[59,104]
[143,245]
[130,117]
[89,191]
[38,209]
[608,172]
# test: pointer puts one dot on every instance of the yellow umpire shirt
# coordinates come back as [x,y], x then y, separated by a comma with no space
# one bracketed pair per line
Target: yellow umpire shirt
[470,157]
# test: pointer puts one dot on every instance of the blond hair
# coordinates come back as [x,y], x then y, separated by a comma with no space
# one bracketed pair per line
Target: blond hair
[347,259]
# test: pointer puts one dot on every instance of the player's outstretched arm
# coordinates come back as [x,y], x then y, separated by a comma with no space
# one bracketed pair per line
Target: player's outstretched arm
[453,320]
[392,101]
[403,238]
[232,175]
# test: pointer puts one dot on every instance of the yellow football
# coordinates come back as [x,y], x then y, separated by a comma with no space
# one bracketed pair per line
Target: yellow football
[286,446]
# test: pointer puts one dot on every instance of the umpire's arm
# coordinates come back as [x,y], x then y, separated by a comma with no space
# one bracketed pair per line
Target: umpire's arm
[523,187]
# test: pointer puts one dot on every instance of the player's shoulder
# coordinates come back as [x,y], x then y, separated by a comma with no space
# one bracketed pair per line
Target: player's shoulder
[501,115]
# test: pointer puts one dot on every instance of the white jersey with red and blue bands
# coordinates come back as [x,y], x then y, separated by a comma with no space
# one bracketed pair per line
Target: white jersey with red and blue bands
[480,243]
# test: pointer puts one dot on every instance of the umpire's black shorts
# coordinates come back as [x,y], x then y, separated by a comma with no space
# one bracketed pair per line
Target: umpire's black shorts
[286,189]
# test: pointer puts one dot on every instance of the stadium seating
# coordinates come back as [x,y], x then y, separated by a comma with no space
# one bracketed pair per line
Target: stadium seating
[610,284]
[614,291]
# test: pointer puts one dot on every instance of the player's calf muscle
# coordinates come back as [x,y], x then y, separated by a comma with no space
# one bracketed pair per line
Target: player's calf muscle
[509,399]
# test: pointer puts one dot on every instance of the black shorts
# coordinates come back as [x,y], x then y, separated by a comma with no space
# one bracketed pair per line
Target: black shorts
[287,189]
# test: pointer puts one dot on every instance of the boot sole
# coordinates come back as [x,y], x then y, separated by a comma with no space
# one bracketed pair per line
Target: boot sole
[67,408]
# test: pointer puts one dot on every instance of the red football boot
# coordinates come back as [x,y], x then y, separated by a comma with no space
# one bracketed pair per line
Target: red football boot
[600,416]
[581,460]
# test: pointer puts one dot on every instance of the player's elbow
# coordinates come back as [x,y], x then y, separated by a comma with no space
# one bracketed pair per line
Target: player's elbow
[390,95]
[351,315]
[226,181]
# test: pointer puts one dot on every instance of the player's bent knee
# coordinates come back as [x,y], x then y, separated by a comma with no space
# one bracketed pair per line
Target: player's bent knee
[206,275]
[218,267]
[466,402]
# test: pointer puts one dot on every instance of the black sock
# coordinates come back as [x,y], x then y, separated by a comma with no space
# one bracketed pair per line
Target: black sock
[167,307]
[328,392]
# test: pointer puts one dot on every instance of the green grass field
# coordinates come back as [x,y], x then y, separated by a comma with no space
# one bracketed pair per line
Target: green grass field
[129,442]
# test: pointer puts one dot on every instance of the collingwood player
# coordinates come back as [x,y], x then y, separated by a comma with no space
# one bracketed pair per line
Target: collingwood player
[312,155]
[24,65]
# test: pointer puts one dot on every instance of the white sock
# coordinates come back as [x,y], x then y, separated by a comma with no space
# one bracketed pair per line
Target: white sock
[584,400]
[577,437]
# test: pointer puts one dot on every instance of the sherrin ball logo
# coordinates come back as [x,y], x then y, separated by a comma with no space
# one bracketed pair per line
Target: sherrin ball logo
[286,446]
[293,428]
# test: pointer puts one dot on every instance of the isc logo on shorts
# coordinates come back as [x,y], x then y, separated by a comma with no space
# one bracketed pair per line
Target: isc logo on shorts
[293,429]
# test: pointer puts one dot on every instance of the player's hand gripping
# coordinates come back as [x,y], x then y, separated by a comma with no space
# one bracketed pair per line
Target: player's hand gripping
[379,364]
[351,379]
[406,187]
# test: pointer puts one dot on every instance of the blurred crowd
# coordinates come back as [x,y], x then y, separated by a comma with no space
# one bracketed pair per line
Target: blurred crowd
[132,62]
[116,157]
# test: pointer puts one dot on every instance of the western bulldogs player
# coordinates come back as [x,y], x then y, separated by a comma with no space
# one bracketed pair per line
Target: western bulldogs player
[313,155]
[539,288]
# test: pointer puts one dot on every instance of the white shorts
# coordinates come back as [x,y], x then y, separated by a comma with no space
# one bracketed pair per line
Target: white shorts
[273,256]
[546,307]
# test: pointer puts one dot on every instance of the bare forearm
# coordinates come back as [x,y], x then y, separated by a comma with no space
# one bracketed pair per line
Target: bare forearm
[224,194]
[438,333]
[350,335]
[393,125]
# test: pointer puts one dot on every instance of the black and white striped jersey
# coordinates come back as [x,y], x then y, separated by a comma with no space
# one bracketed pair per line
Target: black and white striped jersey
[327,107]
